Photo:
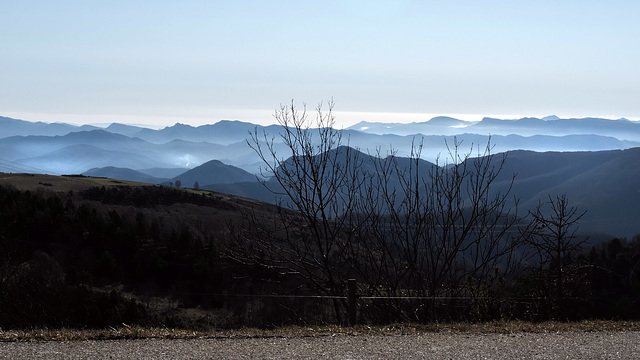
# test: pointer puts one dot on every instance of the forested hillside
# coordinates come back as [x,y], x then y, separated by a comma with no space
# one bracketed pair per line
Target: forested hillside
[345,235]
[92,252]
[94,257]
[110,255]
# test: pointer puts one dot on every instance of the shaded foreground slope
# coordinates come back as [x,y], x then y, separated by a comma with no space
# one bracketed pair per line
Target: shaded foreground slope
[94,252]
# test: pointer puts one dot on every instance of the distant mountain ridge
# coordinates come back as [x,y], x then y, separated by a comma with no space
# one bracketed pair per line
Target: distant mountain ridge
[185,146]
[210,173]
[223,132]
[591,160]
[16,127]
[604,183]
[622,129]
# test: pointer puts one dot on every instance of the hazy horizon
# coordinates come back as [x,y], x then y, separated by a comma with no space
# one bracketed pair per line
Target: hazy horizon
[199,61]
[343,119]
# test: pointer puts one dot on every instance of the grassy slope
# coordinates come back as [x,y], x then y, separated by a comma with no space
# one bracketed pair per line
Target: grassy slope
[65,183]
[33,182]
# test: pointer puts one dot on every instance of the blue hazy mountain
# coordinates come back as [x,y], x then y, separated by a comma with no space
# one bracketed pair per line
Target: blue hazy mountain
[43,152]
[441,125]
[123,129]
[223,132]
[593,161]
[184,146]
[213,172]
[162,173]
[13,127]
[210,173]
[71,159]
[119,173]
[621,129]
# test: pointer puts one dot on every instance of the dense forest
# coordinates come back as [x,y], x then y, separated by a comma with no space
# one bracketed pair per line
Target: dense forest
[59,252]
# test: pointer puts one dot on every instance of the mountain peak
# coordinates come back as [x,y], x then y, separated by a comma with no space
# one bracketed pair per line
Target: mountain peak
[214,172]
[180,125]
[445,120]
[550,117]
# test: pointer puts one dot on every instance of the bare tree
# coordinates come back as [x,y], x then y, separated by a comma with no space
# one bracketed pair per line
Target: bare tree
[444,228]
[552,236]
[318,181]
[402,226]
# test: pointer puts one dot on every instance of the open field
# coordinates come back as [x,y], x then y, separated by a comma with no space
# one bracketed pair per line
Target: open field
[66,183]
[58,183]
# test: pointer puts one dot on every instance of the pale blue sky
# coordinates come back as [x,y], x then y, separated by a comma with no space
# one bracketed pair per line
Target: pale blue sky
[202,61]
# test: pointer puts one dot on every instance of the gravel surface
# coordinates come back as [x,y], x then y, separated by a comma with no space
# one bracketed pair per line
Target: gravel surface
[564,345]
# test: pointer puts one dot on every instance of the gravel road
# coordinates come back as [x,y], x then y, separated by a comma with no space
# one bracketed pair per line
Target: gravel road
[564,345]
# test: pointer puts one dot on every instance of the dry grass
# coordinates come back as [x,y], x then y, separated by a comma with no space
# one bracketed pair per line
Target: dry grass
[136,332]
[55,183]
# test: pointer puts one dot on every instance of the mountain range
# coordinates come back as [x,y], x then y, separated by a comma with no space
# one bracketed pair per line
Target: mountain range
[604,183]
[35,146]
[621,129]
[593,161]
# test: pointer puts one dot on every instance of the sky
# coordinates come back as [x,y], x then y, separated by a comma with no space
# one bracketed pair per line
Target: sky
[195,62]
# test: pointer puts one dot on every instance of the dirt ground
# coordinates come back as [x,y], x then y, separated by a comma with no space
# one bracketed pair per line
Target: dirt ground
[562,345]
